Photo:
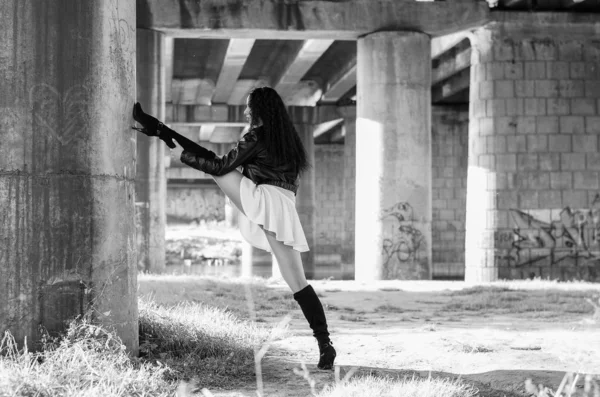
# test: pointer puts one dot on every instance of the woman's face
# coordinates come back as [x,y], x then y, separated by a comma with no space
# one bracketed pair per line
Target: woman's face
[247,110]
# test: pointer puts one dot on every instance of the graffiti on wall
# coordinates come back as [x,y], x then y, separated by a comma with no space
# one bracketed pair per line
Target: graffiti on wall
[404,245]
[572,240]
[62,115]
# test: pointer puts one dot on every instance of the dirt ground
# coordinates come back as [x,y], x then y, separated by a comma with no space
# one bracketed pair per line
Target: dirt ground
[414,336]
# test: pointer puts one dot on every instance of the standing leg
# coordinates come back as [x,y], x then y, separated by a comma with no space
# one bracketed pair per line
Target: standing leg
[290,265]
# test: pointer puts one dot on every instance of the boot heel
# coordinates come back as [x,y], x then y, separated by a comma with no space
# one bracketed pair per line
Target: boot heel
[327,356]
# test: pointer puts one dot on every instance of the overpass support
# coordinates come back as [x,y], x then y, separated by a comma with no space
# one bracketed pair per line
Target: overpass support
[534,162]
[349,182]
[150,179]
[67,234]
[393,157]
[305,119]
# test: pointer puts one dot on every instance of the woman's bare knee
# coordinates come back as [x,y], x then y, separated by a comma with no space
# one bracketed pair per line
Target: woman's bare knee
[230,185]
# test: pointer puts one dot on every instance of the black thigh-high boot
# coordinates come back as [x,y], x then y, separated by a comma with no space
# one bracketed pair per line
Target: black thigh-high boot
[313,311]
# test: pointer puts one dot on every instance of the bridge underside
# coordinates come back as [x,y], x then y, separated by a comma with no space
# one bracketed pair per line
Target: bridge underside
[450,138]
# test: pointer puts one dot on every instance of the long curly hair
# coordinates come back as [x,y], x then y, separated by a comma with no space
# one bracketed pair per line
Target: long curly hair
[280,137]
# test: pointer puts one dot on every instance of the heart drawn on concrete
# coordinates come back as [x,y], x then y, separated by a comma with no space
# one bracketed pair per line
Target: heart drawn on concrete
[62,116]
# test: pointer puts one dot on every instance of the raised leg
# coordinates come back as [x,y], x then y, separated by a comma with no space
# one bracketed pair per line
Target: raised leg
[230,185]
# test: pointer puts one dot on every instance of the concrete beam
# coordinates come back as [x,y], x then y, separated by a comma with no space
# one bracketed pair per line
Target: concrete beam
[228,134]
[186,173]
[515,3]
[242,88]
[324,128]
[209,125]
[452,86]
[574,25]
[235,58]
[309,54]
[204,114]
[206,131]
[441,44]
[328,113]
[192,91]
[573,3]
[305,93]
[340,84]
[229,115]
[308,19]
[338,135]
[190,131]
[452,62]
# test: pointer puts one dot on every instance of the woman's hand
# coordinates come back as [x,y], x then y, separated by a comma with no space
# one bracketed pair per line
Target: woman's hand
[176,151]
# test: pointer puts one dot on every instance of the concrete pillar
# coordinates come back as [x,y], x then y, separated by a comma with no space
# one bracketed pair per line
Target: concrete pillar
[275,271]
[253,258]
[246,270]
[151,180]
[393,157]
[304,122]
[534,162]
[67,227]
[449,135]
[232,214]
[349,183]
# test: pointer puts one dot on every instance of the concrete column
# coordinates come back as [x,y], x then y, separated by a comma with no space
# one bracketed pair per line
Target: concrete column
[151,180]
[275,271]
[232,214]
[67,163]
[449,135]
[304,122]
[252,258]
[534,162]
[393,157]
[349,182]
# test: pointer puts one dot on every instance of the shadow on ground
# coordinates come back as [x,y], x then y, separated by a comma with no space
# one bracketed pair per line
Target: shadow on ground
[278,371]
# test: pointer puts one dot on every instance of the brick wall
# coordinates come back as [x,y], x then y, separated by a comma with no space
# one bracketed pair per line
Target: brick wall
[199,202]
[449,127]
[329,202]
[534,158]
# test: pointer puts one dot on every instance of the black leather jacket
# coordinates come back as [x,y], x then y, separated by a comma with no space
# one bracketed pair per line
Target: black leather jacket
[251,154]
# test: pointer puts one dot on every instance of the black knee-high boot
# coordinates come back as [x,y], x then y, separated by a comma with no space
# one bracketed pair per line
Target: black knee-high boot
[313,311]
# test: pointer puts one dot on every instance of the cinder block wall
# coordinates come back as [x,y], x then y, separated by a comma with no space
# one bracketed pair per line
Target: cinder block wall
[449,125]
[196,203]
[329,201]
[534,163]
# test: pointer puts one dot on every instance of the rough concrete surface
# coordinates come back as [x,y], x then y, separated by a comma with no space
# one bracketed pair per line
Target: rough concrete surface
[307,19]
[67,165]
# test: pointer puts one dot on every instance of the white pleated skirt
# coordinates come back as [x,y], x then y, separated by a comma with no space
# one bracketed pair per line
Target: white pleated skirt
[274,209]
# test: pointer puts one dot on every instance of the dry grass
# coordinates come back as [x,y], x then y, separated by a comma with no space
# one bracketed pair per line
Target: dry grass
[200,342]
[217,345]
[225,294]
[390,309]
[184,341]
[533,303]
[88,362]
[374,386]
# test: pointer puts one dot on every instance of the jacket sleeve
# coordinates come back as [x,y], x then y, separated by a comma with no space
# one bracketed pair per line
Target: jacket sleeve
[212,164]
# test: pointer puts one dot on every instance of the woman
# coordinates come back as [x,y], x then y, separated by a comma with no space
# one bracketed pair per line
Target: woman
[272,158]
